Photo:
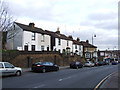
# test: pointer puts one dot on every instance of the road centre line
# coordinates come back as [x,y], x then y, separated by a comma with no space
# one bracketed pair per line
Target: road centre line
[42,85]
[64,79]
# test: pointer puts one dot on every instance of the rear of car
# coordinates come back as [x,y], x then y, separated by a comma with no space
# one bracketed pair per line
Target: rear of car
[76,65]
[8,69]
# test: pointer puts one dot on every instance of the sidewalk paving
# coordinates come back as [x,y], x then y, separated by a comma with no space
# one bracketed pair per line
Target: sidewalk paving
[29,69]
[112,82]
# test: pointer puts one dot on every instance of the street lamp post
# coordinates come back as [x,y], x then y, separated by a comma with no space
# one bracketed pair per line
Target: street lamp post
[93,37]
[92,44]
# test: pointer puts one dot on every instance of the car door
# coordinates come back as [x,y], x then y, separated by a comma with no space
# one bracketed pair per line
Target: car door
[47,66]
[9,69]
[52,67]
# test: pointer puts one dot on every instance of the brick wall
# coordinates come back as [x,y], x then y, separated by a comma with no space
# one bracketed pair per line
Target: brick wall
[26,59]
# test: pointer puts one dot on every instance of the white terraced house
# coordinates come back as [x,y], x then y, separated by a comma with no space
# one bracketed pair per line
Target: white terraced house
[60,42]
[77,47]
[28,38]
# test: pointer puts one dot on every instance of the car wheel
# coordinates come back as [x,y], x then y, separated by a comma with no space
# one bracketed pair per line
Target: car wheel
[43,70]
[18,73]
[57,69]
[76,67]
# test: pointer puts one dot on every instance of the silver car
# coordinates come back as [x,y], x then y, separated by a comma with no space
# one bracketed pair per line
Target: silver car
[89,64]
[9,69]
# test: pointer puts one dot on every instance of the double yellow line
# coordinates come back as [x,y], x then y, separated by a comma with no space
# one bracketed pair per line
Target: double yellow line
[99,84]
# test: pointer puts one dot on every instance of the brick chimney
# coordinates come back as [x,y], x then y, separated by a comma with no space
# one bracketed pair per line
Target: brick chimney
[87,41]
[31,25]
[78,39]
[58,30]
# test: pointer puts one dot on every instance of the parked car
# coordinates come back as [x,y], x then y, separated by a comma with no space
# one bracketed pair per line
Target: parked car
[76,64]
[95,63]
[100,63]
[89,64]
[44,67]
[114,62]
[8,69]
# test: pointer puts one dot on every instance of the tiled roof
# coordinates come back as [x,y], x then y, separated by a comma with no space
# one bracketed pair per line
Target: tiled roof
[76,42]
[86,44]
[32,29]
[57,35]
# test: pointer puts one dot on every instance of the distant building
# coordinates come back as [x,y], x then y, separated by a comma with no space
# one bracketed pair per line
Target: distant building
[77,47]
[89,50]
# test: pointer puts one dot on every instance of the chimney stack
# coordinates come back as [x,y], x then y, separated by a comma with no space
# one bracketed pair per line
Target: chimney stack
[58,30]
[87,41]
[78,39]
[31,25]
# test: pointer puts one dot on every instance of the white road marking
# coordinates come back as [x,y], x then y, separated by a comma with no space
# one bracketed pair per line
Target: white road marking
[64,79]
[42,85]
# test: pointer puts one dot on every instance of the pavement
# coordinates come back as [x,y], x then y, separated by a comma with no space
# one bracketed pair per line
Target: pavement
[29,69]
[112,82]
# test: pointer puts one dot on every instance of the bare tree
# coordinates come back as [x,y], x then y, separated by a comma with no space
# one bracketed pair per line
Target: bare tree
[6,21]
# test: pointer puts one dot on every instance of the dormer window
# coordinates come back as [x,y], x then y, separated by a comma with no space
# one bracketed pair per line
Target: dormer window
[33,36]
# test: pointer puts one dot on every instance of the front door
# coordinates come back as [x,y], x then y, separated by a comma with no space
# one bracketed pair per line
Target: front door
[26,47]
[33,47]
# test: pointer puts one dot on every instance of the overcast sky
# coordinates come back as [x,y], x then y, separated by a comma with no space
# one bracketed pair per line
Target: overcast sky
[79,18]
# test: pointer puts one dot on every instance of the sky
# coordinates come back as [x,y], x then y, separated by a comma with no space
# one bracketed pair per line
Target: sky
[79,18]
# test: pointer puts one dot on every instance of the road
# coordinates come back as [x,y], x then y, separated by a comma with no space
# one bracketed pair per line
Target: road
[87,77]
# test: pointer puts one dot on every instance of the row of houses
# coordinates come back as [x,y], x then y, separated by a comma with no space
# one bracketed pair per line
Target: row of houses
[31,38]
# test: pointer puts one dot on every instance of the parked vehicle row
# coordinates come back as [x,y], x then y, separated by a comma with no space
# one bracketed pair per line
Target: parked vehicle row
[8,69]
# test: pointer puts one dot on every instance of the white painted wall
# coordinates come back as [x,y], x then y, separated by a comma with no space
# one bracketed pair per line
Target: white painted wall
[63,45]
[38,42]
[79,49]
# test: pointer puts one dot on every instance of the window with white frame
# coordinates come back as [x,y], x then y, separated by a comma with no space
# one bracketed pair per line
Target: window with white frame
[33,36]
[43,38]
[79,47]
[75,46]
[42,48]
[67,43]
[59,41]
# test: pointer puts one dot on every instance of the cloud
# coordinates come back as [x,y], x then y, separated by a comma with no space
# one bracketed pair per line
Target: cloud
[80,18]
[106,19]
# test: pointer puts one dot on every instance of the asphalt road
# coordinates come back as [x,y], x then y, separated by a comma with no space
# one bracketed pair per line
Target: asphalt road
[87,77]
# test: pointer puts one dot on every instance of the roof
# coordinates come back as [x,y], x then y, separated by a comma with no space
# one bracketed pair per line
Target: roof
[76,42]
[32,29]
[57,35]
[86,44]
